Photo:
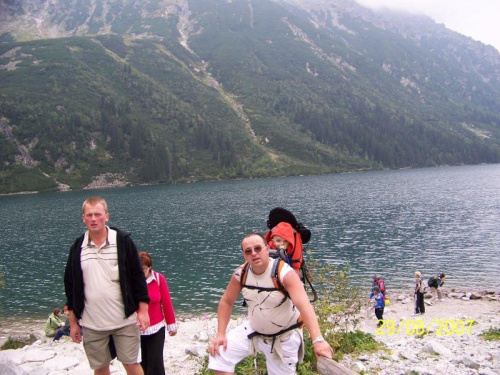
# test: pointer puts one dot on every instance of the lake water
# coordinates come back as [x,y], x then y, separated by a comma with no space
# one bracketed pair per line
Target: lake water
[388,222]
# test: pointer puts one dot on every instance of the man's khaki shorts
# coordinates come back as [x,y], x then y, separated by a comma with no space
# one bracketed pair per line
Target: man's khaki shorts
[127,342]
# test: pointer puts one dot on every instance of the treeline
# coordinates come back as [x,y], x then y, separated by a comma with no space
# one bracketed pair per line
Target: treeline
[92,115]
[307,82]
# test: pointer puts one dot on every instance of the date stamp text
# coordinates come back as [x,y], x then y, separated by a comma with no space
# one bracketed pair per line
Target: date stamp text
[419,327]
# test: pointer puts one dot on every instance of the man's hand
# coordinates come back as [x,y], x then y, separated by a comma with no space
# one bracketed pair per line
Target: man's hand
[76,333]
[143,316]
[220,340]
[323,349]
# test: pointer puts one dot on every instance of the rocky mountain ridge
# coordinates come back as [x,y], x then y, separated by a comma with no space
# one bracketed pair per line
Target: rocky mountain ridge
[236,89]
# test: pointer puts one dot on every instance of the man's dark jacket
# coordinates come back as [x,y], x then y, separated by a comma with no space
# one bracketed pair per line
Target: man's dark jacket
[132,281]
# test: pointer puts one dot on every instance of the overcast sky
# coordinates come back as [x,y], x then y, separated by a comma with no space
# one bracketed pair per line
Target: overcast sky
[479,19]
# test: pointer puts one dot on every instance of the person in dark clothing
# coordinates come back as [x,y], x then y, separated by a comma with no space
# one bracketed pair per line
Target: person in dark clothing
[435,283]
[419,294]
[378,304]
[106,291]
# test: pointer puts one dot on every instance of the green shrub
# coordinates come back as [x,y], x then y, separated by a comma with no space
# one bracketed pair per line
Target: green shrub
[12,344]
[493,334]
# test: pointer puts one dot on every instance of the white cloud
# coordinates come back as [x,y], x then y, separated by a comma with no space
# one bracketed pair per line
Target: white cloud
[475,18]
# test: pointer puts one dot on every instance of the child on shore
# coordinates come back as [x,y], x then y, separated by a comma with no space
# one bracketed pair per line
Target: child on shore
[378,304]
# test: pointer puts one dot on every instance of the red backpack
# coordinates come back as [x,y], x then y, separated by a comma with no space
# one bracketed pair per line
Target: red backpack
[283,223]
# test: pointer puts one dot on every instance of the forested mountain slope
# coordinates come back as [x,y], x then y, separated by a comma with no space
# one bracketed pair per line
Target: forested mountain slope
[164,91]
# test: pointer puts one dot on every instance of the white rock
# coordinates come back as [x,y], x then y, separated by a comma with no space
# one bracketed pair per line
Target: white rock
[38,355]
[203,337]
[433,347]
[487,371]
[61,363]
[197,351]
[358,367]
[420,370]
[8,368]
[469,363]
[11,355]
[34,369]
[408,354]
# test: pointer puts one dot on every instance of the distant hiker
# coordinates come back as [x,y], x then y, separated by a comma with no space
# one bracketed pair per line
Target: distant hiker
[54,323]
[107,292]
[419,294]
[276,314]
[378,282]
[434,283]
[377,298]
[64,331]
[161,315]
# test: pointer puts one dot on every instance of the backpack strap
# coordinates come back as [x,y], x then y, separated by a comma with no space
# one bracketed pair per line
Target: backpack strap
[275,276]
[298,324]
[244,274]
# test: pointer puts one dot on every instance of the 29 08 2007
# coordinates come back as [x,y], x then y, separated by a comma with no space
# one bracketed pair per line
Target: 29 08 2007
[419,327]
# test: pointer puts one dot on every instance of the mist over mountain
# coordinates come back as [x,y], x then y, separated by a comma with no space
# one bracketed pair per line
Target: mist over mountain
[125,92]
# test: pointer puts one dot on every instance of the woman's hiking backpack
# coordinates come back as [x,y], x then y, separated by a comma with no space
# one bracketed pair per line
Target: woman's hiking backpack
[283,223]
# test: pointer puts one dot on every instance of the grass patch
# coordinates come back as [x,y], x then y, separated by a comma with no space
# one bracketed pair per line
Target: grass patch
[353,343]
[493,334]
[12,344]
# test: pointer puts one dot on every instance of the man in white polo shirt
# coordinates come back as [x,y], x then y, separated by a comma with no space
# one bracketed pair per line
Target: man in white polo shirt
[106,291]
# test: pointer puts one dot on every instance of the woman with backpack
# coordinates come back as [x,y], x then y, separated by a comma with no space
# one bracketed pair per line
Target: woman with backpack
[419,294]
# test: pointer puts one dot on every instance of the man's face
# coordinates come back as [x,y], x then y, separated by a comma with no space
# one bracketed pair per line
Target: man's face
[95,217]
[255,251]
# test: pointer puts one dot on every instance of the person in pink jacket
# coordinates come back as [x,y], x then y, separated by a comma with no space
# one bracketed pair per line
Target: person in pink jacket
[161,315]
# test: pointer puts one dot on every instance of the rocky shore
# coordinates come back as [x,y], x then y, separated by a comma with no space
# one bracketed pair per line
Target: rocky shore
[451,343]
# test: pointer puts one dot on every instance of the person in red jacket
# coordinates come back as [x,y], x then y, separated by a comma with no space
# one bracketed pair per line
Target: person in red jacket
[161,314]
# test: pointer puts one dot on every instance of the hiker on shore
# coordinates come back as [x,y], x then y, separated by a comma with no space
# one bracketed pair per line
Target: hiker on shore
[379,283]
[107,292]
[54,323]
[276,314]
[419,294]
[377,298]
[434,283]
[161,315]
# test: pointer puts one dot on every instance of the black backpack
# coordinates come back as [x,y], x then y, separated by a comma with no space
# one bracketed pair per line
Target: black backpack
[433,282]
[279,214]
